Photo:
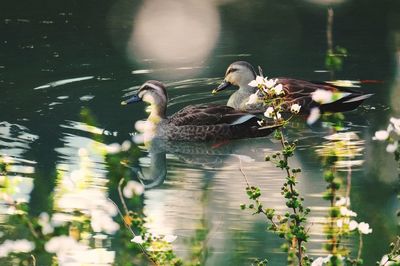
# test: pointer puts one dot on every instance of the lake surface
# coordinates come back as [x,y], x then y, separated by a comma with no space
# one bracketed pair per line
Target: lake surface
[59,59]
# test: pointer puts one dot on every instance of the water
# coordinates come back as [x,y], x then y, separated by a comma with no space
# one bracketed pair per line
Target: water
[61,58]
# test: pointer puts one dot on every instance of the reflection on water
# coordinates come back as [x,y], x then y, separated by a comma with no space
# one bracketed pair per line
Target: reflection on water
[347,146]
[81,196]
[328,3]
[16,173]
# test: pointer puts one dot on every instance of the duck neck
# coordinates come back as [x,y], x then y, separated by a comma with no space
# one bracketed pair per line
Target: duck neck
[244,81]
[157,113]
[246,89]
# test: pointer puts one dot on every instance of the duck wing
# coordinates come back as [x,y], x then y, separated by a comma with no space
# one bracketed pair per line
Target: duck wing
[208,115]
[300,92]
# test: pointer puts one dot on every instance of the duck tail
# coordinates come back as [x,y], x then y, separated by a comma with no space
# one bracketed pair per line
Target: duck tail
[345,104]
[359,98]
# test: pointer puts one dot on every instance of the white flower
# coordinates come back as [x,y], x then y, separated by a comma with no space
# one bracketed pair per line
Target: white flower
[61,244]
[101,221]
[269,112]
[44,222]
[339,223]
[60,219]
[170,238]
[384,260]
[269,83]
[126,145]
[252,99]
[16,246]
[396,124]
[394,260]
[260,122]
[278,90]
[392,147]
[113,148]
[320,261]
[258,82]
[138,240]
[346,212]
[363,228]
[133,188]
[353,225]
[381,135]
[147,128]
[315,113]
[295,108]
[322,96]
[82,152]
[342,201]
[23,245]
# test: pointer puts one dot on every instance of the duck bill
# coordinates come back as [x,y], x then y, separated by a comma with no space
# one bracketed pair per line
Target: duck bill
[221,87]
[133,99]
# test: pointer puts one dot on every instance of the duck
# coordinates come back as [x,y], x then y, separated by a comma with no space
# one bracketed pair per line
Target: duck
[202,122]
[241,73]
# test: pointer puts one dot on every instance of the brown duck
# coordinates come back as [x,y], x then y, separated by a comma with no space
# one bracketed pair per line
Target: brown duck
[241,73]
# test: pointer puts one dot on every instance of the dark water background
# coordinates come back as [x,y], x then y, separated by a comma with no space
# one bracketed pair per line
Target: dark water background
[47,41]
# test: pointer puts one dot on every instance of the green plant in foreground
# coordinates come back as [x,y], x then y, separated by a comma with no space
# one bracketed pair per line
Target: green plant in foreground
[290,226]
[82,212]
[391,136]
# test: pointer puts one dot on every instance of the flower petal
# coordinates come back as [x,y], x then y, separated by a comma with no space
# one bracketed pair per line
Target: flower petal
[315,113]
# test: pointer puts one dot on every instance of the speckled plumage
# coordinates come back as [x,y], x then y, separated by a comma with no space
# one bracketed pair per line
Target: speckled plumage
[198,122]
[210,122]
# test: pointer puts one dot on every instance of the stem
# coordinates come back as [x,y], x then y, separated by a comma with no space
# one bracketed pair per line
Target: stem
[33,260]
[329,35]
[243,173]
[349,172]
[329,27]
[292,190]
[30,226]
[121,196]
[256,201]
[360,246]
[297,223]
[133,233]
[282,140]
[124,221]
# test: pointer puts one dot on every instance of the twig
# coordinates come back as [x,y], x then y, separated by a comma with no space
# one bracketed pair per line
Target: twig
[260,71]
[360,246]
[30,225]
[243,173]
[121,196]
[349,173]
[133,233]
[329,37]
[33,260]
[257,201]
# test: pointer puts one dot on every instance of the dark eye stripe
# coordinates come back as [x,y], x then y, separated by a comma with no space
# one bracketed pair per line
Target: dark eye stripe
[231,70]
[153,88]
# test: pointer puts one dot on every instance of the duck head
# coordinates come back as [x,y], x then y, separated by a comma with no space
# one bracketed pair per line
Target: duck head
[154,93]
[239,74]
